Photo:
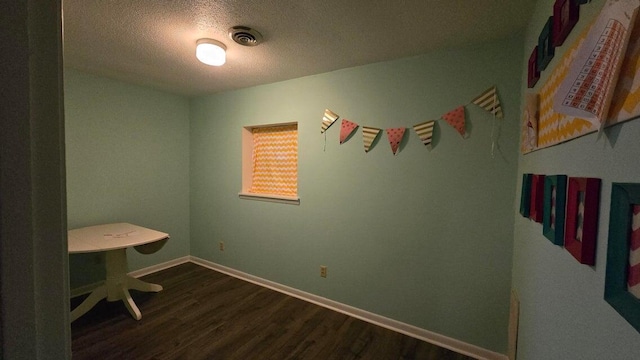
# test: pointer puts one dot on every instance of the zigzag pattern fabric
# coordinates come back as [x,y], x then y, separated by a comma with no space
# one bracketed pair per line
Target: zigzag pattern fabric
[275,160]
[489,101]
[425,132]
[633,278]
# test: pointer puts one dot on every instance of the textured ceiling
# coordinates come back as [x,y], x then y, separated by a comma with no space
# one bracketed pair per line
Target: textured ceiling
[152,42]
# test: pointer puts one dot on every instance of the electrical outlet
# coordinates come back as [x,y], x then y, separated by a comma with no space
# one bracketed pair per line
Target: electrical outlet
[323,271]
[221,245]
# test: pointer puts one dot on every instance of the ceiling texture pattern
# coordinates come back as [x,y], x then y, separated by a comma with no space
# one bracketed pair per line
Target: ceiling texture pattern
[152,42]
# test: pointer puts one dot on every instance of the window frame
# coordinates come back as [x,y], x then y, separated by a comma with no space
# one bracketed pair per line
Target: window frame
[247,167]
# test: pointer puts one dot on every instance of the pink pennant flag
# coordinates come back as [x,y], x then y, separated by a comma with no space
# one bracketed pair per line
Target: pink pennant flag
[395,136]
[455,118]
[346,130]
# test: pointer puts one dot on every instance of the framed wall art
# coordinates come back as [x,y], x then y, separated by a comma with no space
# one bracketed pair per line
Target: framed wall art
[536,209]
[525,195]
[581,222]
[555,192]
[546,50]
[622,280]
[566,14]
[533,73]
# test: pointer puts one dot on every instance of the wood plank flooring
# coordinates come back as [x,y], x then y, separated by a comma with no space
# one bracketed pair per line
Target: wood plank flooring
[203,314]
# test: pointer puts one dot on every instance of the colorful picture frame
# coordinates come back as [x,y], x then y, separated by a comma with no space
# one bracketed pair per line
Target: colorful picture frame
[555,192]
[566,14]
[536,208]
[546,50]
[581,221]
[533,73]
[525,195]
[616,293]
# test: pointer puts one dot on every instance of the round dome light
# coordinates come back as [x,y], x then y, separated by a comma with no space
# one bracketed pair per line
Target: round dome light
[211,52]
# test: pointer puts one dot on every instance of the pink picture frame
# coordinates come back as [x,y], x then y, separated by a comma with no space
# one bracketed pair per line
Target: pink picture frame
[536,210]
[566,14]
[581,220]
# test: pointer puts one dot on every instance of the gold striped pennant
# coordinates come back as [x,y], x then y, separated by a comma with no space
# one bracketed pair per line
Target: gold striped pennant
[489,101]
[425,132]
[369,135]
[328,119]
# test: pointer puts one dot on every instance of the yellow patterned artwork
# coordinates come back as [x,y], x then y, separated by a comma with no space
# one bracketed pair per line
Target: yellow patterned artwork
[555,128]
[275,160]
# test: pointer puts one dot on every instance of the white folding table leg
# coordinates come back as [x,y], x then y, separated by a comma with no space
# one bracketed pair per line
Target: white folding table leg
[88,303]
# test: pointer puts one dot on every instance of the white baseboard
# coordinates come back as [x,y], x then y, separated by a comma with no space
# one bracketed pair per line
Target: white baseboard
[158,267]
[403,328]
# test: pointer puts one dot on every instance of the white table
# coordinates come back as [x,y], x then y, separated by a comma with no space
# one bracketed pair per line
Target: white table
[114,239]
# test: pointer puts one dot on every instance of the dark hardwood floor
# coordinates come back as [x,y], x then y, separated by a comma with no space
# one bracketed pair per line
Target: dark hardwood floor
[203,314]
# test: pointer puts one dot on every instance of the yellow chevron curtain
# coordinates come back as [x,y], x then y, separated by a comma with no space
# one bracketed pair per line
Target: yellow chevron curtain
[275,160]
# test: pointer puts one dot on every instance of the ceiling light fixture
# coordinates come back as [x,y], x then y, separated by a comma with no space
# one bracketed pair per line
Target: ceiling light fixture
[211,52]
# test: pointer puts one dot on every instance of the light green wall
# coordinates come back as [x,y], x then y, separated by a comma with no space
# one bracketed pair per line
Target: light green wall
[563,313]
[422,237]
[127,150]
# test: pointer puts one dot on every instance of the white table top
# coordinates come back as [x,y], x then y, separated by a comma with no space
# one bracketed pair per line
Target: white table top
[110,237]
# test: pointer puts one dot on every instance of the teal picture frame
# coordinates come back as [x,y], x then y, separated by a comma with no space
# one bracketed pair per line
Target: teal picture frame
[553,221]
[546,49]
[623,196]
[525,195]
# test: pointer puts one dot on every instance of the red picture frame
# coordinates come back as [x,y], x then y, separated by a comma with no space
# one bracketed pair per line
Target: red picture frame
[581,222]
[536,209]
[533,74]
[566,14]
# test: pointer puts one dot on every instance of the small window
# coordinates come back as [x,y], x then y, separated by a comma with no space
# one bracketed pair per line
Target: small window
[270,163]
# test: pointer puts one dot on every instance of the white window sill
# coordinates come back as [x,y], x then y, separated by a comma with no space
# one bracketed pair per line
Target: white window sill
[271,198]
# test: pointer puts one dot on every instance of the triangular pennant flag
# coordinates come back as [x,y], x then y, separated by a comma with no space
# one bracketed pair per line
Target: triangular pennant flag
[455,118]
[489,101]
[347,128]
[425,132]
[328,119]
[395,137]
[369,135]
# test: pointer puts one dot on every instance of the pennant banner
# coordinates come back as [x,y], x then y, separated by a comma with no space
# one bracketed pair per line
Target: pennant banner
[425,132]
[395,137]
[346,130]
[489,101]
[328,119]
[369,135]
[456,119]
